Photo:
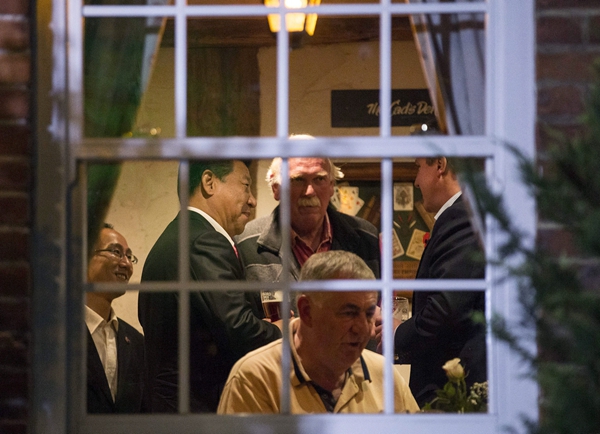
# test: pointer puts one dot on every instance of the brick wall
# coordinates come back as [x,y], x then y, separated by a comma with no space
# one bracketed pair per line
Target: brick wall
[15,219]
[568,42]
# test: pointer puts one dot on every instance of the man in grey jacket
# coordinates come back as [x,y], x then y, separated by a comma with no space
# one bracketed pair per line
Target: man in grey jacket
[316,225]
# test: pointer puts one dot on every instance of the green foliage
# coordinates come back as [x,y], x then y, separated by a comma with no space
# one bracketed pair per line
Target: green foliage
[455,398]
[559,294]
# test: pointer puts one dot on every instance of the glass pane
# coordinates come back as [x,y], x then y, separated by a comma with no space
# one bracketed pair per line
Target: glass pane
[224,87]
[438,1]
[410,100]
[327,70]
[119,64]
[120,204]
[317,188]
[127,2]
[451,51]
[290,4]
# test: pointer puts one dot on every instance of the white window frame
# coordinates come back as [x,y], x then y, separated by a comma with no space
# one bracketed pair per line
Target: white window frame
[510,118]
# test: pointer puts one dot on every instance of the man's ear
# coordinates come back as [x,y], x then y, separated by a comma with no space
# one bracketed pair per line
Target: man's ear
[276,191]
[208,182]
[442,165]
[304,310]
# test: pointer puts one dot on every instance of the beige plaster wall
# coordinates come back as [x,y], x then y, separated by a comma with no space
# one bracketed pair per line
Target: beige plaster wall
[316,70]
[145,200]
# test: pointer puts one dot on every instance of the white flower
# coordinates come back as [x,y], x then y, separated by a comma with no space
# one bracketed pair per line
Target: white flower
[454,370]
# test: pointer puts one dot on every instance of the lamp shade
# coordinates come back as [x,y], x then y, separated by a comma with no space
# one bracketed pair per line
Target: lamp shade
[295,21]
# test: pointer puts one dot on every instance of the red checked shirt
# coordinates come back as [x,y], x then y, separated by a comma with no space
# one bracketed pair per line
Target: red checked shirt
[302,251]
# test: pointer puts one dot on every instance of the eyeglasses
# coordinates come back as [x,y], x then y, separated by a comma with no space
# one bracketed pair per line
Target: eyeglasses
[119,254]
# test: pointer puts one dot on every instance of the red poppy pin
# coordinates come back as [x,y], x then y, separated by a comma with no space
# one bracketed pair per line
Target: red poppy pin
[426,237]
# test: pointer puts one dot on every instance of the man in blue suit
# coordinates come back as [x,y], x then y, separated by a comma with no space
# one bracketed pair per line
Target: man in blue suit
[116,374]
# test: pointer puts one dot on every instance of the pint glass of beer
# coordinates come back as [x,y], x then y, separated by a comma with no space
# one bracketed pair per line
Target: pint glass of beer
[271,301]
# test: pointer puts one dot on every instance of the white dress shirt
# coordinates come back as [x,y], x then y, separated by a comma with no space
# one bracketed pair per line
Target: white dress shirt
[213,223]
[104,335]
[448,204]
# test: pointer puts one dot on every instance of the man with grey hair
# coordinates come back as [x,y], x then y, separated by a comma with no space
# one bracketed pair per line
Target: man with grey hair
[316,226]
[331,370]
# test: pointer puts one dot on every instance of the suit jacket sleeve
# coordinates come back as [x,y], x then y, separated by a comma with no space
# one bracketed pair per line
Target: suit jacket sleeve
[221,320]
[233,313]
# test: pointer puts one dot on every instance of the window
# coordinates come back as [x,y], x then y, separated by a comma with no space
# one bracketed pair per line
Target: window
[506,93]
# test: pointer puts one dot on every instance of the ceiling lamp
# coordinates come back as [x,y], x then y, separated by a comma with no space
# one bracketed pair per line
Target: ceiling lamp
[294,22]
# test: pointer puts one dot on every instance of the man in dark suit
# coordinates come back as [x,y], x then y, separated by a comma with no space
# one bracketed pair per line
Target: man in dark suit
[224,325]
[442,325]
[116,375]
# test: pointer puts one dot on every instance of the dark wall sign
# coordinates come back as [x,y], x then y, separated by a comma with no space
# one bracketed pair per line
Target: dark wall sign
[360,108]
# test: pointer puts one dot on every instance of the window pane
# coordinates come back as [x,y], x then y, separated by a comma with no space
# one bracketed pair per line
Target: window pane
[437,1]
[127,2]
[451,49]
[224,87]
[342,56]
[119,58]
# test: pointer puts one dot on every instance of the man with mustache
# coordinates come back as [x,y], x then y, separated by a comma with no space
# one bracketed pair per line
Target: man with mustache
[116,375]
[224,325]
[316,225]
[330,372]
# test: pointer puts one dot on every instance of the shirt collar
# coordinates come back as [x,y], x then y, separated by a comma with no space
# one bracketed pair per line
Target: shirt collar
[325,233]
[447,205]
[299,376]
[213,223]
[93,320]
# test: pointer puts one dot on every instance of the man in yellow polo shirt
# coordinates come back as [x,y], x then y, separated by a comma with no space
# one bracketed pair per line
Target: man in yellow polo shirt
[331,370]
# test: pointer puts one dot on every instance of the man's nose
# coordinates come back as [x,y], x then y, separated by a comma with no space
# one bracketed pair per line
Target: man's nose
[126,263]
[310,190]
[362,324]
[252,201]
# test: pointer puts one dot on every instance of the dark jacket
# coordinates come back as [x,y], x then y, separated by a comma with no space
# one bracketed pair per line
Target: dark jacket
[442,326]
[132,388]
[260,244]
[224,325]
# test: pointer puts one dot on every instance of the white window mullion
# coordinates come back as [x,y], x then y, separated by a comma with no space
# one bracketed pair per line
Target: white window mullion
[184,273]
[387,275]
[183,347]
[282,74]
